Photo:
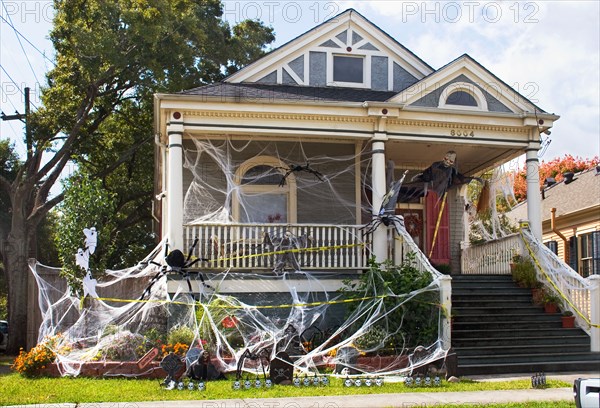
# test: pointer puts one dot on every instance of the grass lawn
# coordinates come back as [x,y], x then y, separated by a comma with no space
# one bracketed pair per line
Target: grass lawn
[19,390]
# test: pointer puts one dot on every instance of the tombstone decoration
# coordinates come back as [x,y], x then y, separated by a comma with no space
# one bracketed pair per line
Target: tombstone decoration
[347,357]
[282,370]
[171,363]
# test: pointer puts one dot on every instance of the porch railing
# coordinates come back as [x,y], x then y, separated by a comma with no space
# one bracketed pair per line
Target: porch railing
[491,258]
[260,246]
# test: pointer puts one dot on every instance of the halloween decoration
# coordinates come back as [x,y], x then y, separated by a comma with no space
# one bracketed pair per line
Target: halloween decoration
[299,168]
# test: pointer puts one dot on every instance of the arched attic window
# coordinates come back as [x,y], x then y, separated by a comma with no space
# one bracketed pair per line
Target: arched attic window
[260,198]
[463,95]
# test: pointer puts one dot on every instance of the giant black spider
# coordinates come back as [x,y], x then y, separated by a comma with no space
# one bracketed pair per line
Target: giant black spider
[387,212]
[260,356]
[176,262]
[298,168]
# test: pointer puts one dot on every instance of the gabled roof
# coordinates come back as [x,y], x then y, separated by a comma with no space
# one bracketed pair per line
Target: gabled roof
[348,33]
[250,91]
[469,73]
[580,194]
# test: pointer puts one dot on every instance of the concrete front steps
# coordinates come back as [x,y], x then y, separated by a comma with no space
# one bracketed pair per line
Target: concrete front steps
[497,329]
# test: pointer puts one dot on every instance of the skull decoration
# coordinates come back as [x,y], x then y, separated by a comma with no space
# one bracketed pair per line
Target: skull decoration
[236,385]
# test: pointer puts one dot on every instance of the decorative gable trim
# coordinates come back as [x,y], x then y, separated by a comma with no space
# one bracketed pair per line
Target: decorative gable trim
[387,65]
[467,74]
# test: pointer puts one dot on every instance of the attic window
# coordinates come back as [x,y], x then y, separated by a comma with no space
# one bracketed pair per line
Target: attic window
[463,95]
[348,69]
[461,98]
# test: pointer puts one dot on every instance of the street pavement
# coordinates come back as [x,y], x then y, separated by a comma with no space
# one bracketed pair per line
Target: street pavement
[402,400]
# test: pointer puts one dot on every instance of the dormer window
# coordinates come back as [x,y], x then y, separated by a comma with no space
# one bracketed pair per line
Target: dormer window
[348,69]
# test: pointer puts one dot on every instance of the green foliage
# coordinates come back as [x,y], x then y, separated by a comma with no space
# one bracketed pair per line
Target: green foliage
[413,316]
[523,272]
[181,334]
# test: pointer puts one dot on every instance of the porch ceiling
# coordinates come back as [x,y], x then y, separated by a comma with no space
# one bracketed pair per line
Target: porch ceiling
[471,159]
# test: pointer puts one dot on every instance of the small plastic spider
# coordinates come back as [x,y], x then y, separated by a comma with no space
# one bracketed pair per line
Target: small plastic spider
[176,262]
[298,168]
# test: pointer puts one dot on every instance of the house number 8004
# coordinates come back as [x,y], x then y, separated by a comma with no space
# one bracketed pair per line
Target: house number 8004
[462,133]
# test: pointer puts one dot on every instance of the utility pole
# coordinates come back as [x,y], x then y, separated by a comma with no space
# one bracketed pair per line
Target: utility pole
[25,119]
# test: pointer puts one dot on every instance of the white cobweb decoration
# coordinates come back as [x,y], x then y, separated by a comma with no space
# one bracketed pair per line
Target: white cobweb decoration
[369,328]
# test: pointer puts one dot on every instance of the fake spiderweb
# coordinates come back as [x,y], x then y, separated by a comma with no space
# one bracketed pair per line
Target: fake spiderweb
[244,297]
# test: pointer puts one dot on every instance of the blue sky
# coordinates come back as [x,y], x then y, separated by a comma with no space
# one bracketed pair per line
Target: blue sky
[548,51]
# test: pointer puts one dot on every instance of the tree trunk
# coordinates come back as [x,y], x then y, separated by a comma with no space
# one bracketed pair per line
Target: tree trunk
[14,257]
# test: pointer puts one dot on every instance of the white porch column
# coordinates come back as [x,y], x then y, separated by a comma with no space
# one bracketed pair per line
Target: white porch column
[595,313]
[534,199]
[175,184]
[379,188]
[446,302]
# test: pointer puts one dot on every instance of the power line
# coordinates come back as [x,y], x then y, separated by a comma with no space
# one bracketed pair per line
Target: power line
[20,43]
[13,81]
[25,38]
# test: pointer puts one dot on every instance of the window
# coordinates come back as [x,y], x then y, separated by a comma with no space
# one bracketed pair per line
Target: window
[590,254]
[463,95]
[261,198]
[553,246]
[348,69]
[461,98]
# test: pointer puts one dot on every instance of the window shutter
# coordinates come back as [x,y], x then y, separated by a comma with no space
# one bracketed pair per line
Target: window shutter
[595,253]
[573,256]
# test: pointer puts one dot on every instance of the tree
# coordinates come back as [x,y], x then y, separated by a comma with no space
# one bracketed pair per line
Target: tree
[108,53]
[554,168]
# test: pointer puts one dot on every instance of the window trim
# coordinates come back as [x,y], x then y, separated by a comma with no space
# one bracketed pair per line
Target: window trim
[466,87]
[288,189]
[366,82]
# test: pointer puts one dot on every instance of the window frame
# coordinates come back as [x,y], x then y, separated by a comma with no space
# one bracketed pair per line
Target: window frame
[366,60]
[289,189]
[468,88]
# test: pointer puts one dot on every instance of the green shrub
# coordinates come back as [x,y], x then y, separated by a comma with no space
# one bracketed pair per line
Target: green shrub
[181,334]
[415,321]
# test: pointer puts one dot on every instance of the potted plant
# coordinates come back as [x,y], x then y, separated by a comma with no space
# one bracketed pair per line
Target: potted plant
[568,320]
[551,302]
[524,272]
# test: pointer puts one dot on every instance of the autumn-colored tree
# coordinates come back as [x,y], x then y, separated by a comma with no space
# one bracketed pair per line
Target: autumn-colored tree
[555,168]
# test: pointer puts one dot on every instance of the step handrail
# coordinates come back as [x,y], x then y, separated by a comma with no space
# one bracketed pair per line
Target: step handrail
[564,276]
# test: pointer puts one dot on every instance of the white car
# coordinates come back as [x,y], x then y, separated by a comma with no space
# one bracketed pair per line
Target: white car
[3,334]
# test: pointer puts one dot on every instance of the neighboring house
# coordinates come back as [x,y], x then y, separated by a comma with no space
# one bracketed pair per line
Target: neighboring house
[571,220]
[305,138]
